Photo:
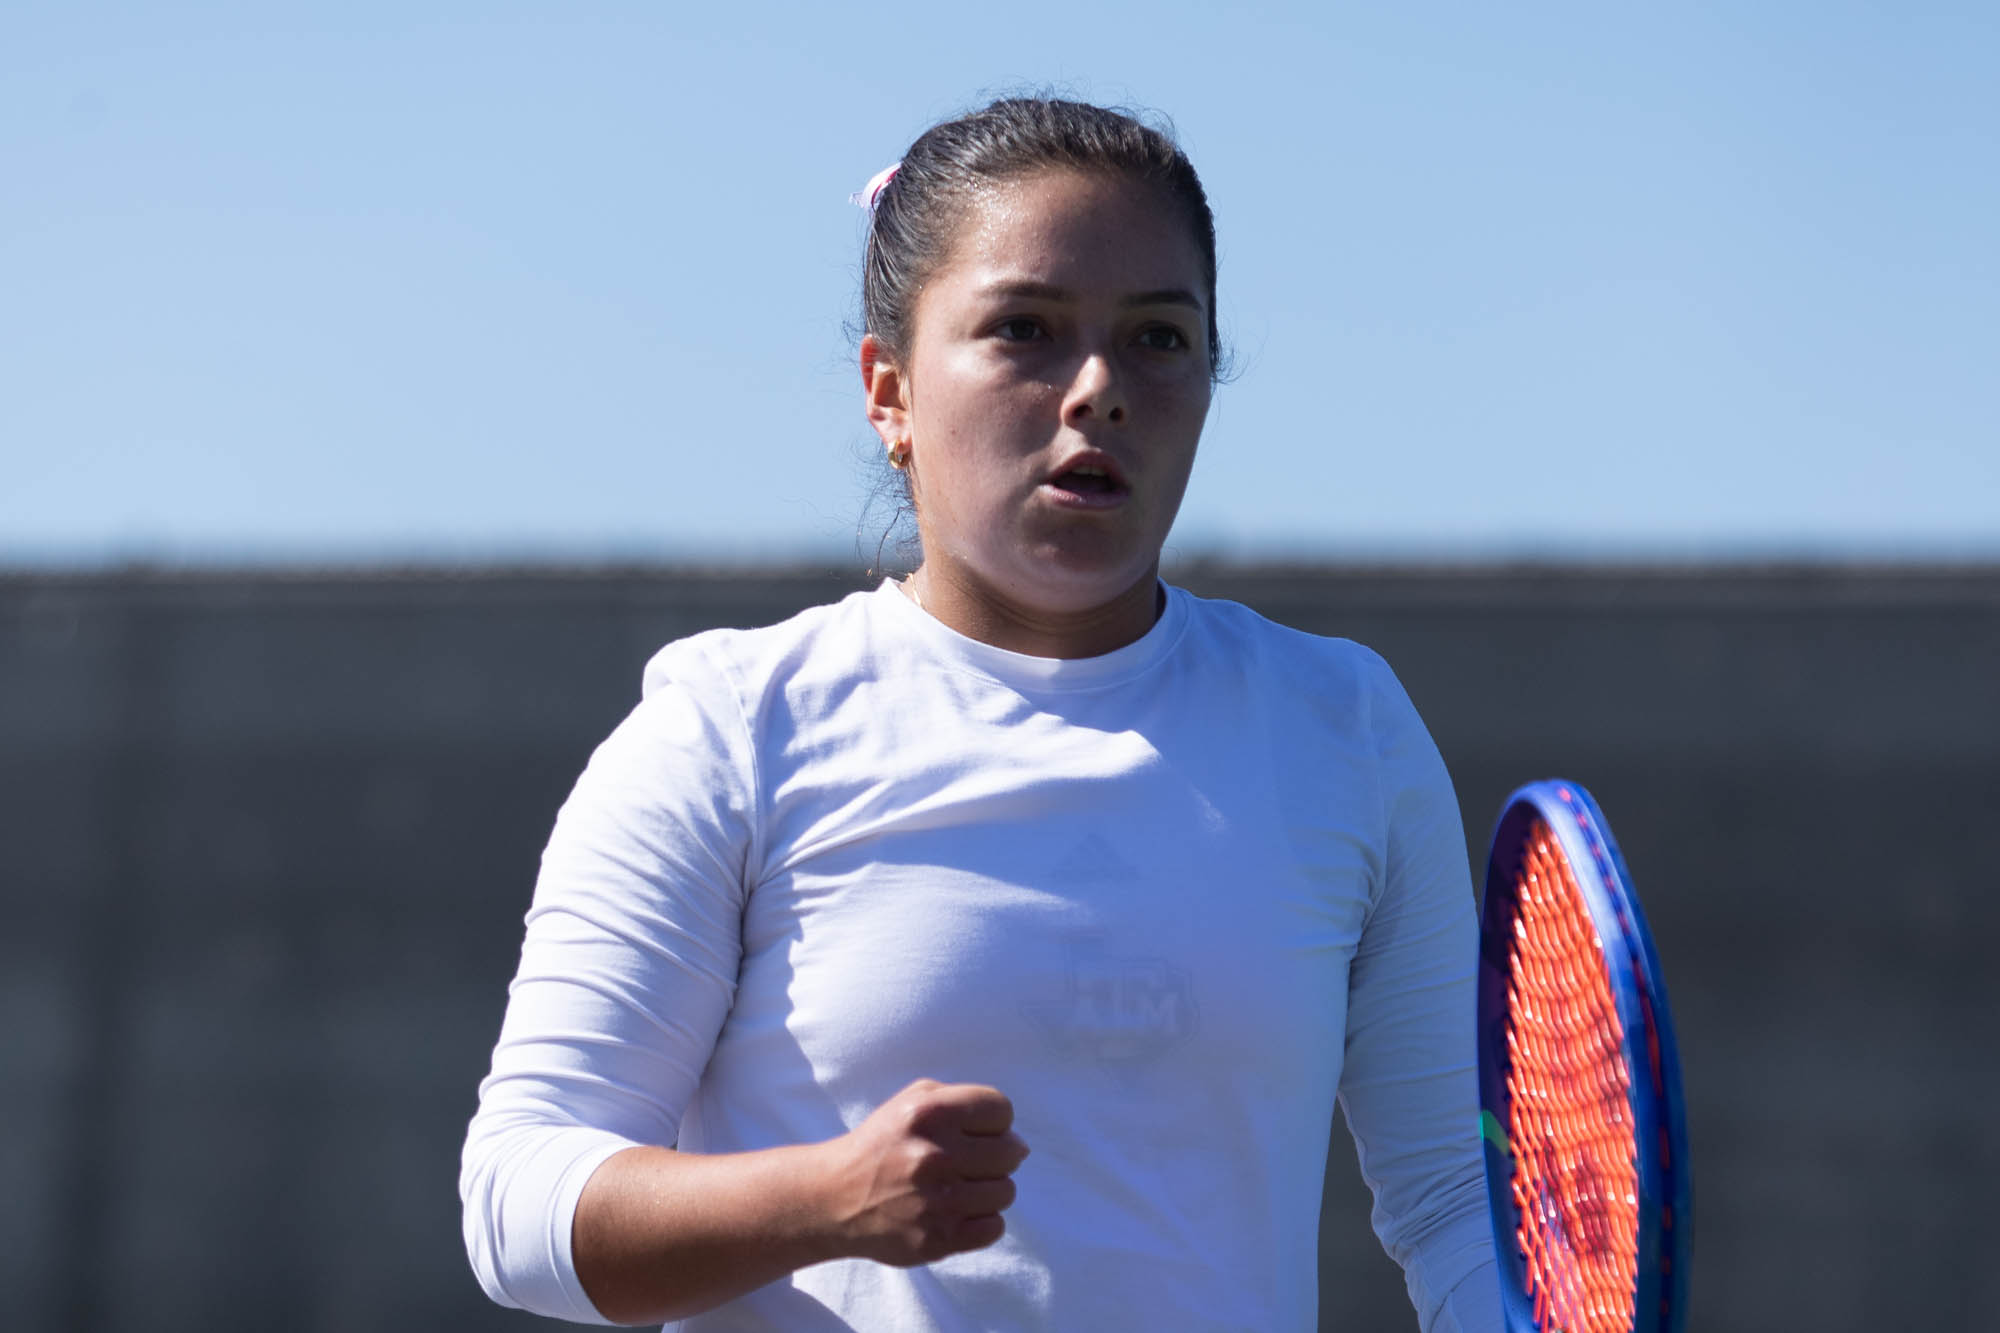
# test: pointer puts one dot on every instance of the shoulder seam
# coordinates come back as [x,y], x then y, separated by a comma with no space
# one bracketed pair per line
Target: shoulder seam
[753,853]
[1373,665]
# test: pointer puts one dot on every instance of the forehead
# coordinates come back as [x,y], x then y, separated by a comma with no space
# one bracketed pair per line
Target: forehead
[1076,230]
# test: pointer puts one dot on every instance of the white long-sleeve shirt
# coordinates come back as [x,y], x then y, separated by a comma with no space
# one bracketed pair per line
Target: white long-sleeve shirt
[1170,900]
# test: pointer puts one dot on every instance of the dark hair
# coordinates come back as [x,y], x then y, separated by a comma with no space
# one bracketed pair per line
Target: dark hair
[920,208]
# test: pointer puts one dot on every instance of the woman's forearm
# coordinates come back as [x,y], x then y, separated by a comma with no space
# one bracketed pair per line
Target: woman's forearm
[661,1234]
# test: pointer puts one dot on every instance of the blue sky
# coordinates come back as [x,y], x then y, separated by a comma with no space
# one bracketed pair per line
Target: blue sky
[509,281]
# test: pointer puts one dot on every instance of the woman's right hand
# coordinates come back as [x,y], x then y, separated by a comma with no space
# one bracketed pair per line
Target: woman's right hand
[927,1174]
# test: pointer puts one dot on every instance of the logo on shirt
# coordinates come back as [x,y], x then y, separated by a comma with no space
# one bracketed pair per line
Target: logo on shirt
[1119,1012]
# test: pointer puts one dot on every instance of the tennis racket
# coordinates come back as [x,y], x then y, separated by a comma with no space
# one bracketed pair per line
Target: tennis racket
[1579,1084]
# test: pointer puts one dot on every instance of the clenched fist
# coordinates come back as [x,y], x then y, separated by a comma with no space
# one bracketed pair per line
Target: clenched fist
[927,1174]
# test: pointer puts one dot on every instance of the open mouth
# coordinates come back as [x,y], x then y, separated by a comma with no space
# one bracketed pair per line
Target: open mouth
[1088,480]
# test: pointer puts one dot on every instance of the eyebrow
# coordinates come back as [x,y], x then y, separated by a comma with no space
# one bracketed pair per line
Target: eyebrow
[1043,291]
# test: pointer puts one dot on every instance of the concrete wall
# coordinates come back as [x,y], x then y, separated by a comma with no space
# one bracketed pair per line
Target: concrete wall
[265,843]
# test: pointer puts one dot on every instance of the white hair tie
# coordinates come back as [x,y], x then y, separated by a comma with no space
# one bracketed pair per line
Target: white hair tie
[872,191]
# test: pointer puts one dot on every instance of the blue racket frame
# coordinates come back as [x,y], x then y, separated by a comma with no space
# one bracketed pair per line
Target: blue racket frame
[1638,989]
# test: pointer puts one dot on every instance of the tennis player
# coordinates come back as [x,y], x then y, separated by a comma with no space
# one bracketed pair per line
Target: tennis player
[986,951]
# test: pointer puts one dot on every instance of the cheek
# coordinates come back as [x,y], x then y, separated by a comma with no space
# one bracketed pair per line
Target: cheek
[982,413]
[1195,394]
[1177,384]
[1185,402]
[954,485]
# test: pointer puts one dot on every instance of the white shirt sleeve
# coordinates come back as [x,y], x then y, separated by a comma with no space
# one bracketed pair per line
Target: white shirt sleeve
[1410,1083]
[627,972]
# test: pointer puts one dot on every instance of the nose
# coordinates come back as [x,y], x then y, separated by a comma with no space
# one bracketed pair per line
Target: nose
[1095,393]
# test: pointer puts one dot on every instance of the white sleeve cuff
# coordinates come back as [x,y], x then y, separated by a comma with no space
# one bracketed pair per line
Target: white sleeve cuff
[520,1189]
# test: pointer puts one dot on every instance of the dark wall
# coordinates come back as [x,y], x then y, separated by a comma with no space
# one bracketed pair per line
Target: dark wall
[268,840]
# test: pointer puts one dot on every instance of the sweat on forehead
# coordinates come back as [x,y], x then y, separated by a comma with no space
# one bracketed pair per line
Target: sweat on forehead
[1024,205]
[918,211]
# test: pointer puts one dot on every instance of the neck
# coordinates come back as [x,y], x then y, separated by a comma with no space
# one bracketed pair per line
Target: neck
[979,613]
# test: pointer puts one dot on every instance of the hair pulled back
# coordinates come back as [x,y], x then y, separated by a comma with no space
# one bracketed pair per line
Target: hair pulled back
[918,212]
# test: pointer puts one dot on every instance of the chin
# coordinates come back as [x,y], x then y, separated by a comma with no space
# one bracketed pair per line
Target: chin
[1072,581]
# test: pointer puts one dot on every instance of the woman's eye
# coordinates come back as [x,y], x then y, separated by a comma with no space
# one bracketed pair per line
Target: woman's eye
[1164,338]
[1019,330]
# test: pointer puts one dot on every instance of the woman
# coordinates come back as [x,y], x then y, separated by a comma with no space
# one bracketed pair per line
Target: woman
[1026,851]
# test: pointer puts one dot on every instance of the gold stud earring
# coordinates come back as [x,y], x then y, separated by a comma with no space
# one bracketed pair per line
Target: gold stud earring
[899,455]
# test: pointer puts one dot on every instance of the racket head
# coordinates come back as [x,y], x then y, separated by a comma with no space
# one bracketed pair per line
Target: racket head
[1600,1178]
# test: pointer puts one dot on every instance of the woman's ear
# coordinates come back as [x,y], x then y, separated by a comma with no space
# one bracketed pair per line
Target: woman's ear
[886,392]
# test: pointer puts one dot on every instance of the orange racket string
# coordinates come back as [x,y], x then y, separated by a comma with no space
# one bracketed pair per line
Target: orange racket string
[1576,1178]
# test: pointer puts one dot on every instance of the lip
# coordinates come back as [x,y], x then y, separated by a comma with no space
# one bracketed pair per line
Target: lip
[1096,458]
[1119,492]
